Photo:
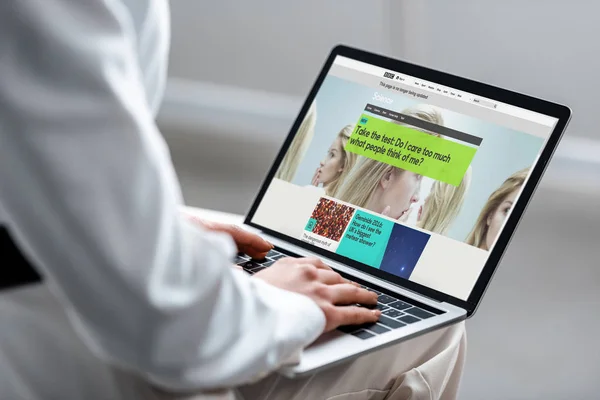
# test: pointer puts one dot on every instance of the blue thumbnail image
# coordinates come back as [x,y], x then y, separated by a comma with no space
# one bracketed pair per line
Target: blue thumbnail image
[403,251]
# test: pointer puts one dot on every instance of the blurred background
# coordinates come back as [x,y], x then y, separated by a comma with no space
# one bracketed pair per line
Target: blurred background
[239,74]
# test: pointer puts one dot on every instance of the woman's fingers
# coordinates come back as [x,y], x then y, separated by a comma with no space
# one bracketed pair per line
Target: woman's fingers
[349,294]
[330,277]
[247,242]
[386,211]
[315,178]
[352,315]
[405,215]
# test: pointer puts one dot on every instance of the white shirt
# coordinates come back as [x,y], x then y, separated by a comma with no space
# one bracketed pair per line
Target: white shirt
[89,192]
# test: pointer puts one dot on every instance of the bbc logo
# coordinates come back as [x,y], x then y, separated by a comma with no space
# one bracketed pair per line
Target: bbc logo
[388,75]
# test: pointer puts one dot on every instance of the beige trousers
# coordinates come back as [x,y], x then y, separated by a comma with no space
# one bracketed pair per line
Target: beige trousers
[41,358]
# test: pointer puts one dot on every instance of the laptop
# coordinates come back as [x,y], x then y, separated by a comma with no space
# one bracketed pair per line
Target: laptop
[408,181]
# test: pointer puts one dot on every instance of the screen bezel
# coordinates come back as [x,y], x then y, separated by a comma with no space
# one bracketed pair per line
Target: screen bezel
[562,113]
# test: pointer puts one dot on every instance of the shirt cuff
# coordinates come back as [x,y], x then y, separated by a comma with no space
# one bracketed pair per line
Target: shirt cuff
[302,321]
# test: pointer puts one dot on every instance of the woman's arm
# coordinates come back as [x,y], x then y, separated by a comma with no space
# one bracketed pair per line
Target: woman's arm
[89,191]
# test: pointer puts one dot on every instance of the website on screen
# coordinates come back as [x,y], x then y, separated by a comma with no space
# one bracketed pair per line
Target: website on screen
[404,175]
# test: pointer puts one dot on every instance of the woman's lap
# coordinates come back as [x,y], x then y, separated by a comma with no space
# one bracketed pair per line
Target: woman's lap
[426,367]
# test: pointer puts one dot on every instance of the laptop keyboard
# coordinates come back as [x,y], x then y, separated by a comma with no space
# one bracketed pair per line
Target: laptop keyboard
[395,313]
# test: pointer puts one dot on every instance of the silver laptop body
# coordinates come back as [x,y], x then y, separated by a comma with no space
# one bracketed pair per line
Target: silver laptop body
[448,275]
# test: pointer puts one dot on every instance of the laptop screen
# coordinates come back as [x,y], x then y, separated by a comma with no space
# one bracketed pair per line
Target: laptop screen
[403,175]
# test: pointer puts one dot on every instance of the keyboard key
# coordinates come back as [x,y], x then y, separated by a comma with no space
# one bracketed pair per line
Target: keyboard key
[376,328]
[269,263]
[272,253]
[374,306]
[400,305]
[419,313]
[392,313]
[349,328]
[240,259]
[250,265]
[261,261]
[390,323]
[363,334]
[278,256]
[385,299]
[255,270]
[409,319]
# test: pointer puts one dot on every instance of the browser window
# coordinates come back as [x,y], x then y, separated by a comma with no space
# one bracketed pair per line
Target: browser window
[403,175]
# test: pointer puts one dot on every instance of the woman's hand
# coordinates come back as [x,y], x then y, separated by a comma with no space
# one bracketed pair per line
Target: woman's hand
[405,215]
[315,178]
[334,295]
[247,242]
[403,218]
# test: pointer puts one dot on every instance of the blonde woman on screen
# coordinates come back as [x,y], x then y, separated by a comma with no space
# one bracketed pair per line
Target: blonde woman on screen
[295,153]
[334,168]
[442,205]
[495,211]
[382,188]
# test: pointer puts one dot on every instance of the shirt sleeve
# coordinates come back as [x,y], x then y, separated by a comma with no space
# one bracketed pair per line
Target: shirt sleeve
[88,189]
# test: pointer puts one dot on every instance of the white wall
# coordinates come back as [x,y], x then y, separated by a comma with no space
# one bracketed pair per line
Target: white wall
[548,48]
[270,45]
